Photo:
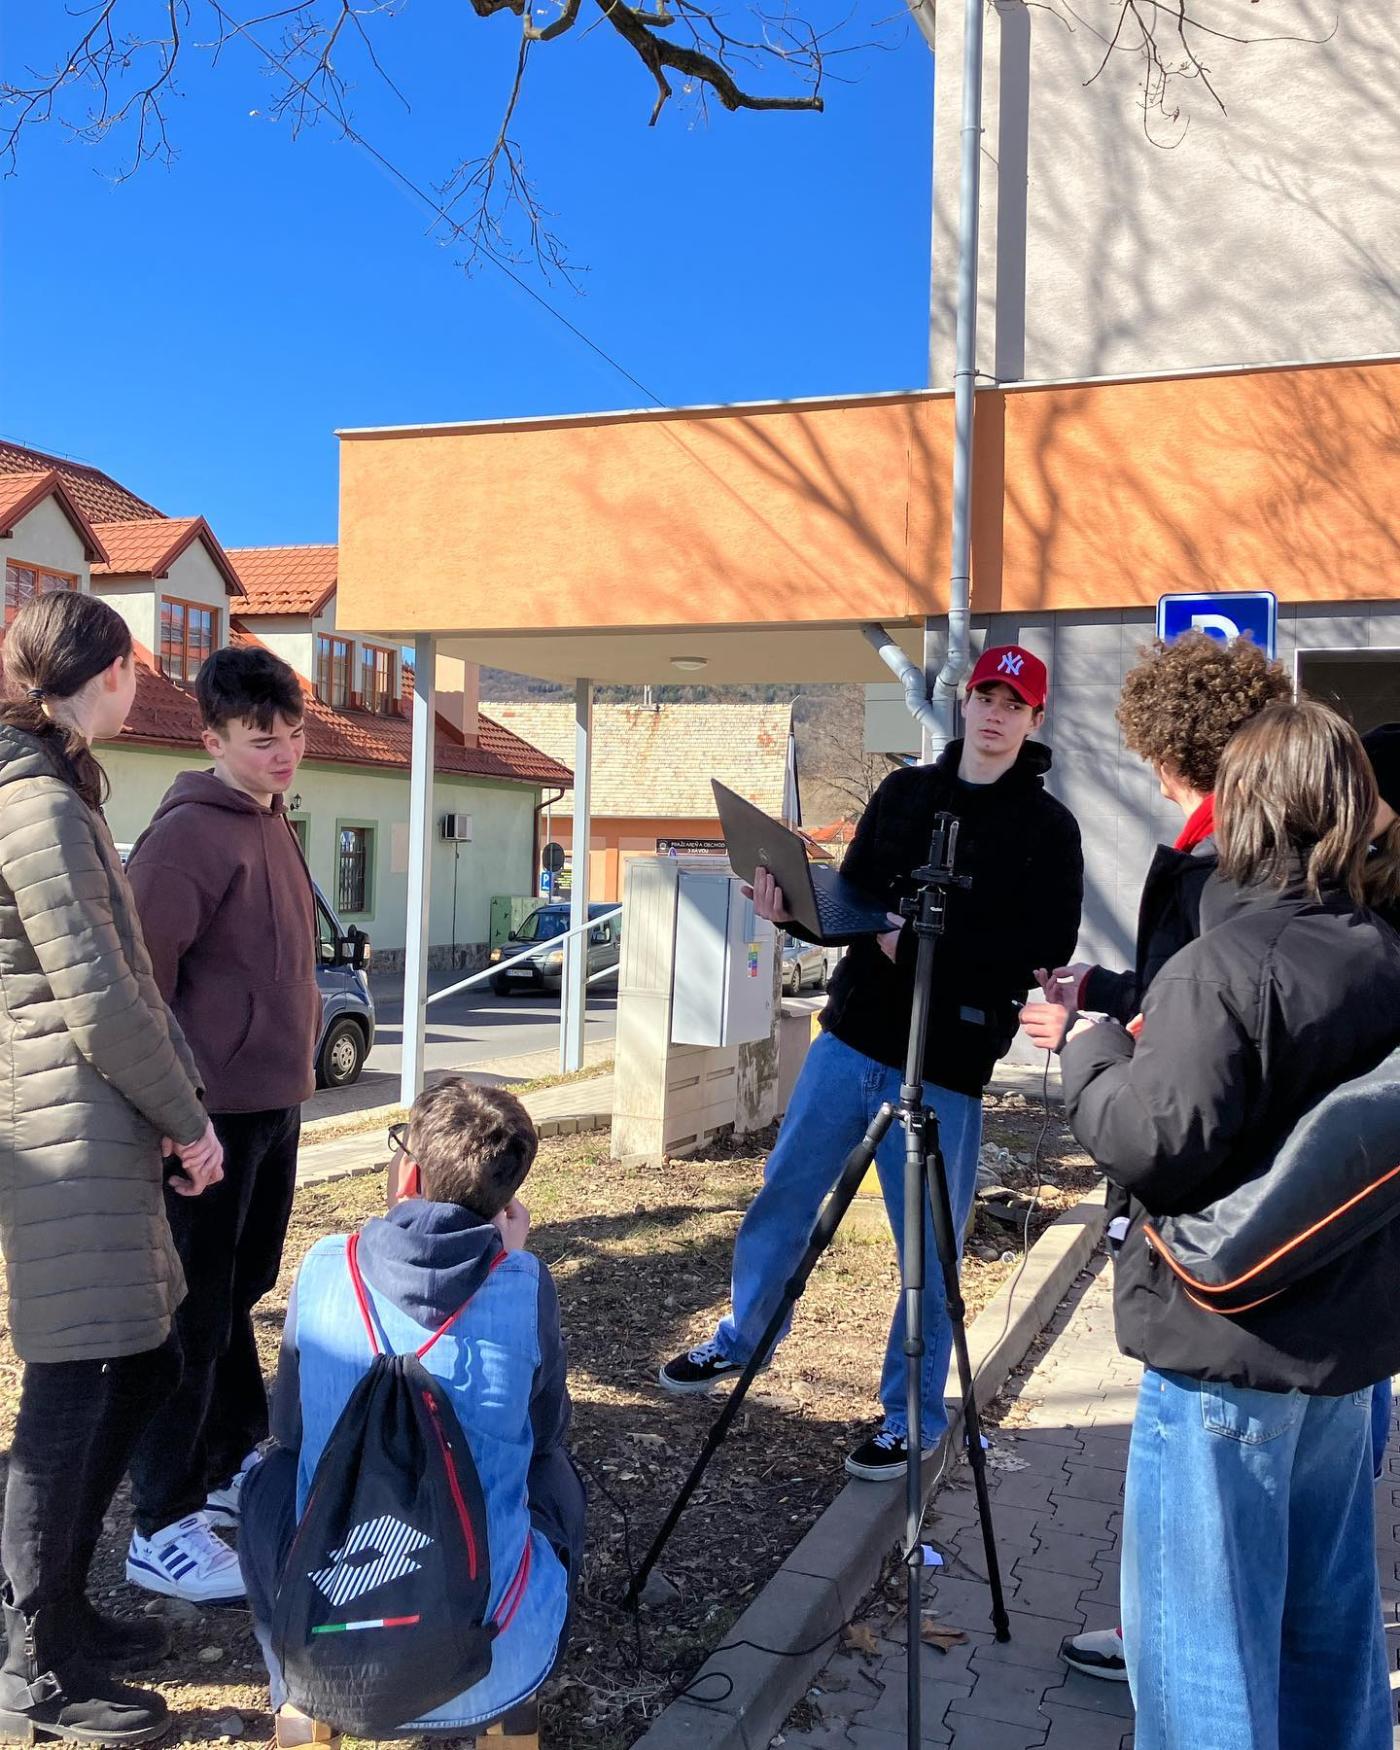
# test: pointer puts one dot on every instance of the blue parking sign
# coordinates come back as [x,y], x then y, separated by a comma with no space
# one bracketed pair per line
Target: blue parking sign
[546,881]
[1225,614]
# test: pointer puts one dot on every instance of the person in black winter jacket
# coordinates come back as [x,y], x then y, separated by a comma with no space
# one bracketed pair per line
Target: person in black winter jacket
[1021,848]
[1250,1596]
[1178,709]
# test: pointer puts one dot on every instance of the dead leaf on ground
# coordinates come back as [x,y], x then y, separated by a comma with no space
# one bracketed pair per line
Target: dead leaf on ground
[860,1639]
[937,1634]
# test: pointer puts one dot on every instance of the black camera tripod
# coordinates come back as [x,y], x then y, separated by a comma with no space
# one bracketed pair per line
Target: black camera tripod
[924,1176]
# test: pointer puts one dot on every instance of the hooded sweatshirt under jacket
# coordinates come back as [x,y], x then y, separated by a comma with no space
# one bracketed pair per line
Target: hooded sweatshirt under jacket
[229,917]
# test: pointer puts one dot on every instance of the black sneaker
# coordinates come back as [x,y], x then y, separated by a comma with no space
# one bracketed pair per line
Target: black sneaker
[698,1369]
[883,1458]
[1097,1653]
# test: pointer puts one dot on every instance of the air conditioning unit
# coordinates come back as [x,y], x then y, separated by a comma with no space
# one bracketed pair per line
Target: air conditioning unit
[457,828]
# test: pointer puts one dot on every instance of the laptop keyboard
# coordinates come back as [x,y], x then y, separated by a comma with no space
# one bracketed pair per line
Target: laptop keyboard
[840,919]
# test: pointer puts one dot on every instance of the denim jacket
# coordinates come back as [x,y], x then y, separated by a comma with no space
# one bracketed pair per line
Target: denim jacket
[502,1362]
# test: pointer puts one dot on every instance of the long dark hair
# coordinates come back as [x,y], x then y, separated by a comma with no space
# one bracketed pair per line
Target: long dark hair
[56,644]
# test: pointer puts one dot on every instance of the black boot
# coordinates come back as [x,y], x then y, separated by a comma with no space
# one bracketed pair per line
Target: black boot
[49,1690]
[114,1643]
[118,1643]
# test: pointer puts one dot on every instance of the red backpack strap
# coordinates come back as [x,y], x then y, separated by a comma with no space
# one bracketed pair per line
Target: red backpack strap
[352,1258]
[499,1259]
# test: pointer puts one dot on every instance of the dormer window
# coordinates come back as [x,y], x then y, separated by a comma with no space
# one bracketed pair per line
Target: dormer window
[24,582]
[188,633]
[334,658]
[379,678]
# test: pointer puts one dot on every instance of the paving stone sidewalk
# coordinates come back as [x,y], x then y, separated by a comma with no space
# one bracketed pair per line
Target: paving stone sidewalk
[1059,1458]
[1057,1487]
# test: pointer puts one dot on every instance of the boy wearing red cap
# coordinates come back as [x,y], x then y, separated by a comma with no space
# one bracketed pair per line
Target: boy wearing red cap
[1021,848]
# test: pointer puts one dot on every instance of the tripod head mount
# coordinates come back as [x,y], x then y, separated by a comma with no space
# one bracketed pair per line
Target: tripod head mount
[936,878]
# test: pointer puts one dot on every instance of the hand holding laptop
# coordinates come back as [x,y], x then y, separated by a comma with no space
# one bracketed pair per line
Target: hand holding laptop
[767,897]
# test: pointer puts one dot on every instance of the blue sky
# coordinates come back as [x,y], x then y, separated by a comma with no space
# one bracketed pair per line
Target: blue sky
[201,332]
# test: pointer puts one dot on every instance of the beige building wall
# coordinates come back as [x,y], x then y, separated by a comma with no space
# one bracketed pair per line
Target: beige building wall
[135,600]
[1116,241]
[46,537]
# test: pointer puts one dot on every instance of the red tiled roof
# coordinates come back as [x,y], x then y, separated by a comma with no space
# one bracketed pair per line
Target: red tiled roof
[286,580]
[19,493]
[165,714]
[150,548]
[100,498]
[840,832]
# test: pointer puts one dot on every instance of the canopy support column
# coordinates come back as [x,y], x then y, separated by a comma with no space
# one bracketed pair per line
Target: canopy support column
[417,937]
[575,1005]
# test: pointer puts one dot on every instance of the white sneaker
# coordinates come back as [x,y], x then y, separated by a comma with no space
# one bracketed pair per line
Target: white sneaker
[223,1506]
[186,1560]
[1097,1653]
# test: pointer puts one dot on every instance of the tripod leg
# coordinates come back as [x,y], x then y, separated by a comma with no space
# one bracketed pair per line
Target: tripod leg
[946,1238]
[915,1118]
[854,1169]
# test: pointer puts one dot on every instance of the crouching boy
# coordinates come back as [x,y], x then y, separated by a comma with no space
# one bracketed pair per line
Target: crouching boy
[454,1241]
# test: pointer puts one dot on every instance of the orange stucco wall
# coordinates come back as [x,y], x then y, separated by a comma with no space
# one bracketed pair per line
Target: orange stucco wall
[1097,495]
[613,842]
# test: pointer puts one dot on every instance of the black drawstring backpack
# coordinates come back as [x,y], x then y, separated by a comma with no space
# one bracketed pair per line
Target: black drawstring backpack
[381,1608]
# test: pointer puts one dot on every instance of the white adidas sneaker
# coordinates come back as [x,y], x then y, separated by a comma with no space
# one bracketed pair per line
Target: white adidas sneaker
[186,1560]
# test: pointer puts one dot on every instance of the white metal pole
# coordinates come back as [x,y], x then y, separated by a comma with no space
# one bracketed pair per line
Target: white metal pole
[575,1005]
[948,682]
[420,853]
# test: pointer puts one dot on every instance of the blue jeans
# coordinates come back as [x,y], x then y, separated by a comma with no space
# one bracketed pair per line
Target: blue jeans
[838,1093]
[1381,1401]
[1251,1607]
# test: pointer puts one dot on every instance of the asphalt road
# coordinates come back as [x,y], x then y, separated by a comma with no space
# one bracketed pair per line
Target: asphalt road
[474,1027]
[464,1029]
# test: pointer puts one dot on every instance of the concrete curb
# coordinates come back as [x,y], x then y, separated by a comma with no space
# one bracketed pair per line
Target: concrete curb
[823,1582]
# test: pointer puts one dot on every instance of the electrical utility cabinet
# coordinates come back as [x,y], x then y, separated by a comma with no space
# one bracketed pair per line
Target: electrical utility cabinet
[724,964]
[697,1054]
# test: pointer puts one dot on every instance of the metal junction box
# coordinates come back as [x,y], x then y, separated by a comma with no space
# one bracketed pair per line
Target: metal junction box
[723,966]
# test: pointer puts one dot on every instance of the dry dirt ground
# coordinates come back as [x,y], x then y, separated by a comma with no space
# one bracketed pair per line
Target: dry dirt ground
[641,1257]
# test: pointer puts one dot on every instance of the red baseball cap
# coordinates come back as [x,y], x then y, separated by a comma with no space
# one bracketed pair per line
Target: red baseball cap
[1016,668]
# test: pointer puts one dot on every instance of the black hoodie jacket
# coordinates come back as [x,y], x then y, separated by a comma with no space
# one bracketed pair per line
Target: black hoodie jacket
[1280,1001]
[1021,848]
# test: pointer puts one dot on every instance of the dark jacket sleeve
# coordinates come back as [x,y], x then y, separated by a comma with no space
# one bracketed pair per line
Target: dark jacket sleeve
[1163,1116]
[551,1408]
[1110,993]
[174,908]
[1041,921]
[286,1394]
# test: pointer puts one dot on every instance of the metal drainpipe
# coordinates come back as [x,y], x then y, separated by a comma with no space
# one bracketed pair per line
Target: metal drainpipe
[947,684]
[932,697]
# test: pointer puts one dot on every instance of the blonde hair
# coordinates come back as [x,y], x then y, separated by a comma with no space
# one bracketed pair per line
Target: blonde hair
[1295,785]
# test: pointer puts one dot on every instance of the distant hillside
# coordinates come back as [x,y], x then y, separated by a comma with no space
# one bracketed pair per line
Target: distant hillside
[500,683]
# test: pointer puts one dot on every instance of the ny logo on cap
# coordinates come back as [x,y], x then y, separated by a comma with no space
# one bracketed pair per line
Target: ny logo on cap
[1011,662]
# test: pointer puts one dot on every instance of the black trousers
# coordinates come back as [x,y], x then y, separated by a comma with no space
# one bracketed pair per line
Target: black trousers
[78,1423]
[230,1242]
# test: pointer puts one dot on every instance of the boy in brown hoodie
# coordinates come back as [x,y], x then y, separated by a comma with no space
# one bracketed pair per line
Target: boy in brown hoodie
[229,916]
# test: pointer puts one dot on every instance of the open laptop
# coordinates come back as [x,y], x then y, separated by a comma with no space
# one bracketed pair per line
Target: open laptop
[820,899]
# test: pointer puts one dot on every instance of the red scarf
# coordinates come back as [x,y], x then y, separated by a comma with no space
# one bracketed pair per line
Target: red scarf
[1200,824]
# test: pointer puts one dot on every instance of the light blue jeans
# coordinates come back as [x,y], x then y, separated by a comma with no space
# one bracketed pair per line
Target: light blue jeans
[1251,1608]
[838,1093]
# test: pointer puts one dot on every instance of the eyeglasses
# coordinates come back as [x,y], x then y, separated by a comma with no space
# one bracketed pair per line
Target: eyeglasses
[398,1139]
